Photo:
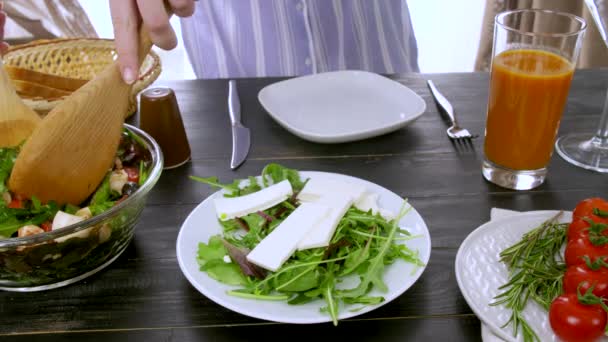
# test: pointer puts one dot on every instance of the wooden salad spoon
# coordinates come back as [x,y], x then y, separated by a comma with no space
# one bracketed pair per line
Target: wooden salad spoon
[72,149]
[17,121]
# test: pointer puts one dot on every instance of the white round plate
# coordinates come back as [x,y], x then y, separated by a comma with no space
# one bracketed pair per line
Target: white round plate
[202,223]
[341,106]
[480,273]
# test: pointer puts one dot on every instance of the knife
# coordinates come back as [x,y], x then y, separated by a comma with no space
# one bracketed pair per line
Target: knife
[241,138]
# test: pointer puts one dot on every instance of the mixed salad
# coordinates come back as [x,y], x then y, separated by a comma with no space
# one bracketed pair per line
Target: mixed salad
[361,244]
[21,217]
[70,255]
[564,268]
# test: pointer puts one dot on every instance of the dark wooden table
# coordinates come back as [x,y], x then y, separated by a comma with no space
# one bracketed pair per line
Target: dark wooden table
[143,295]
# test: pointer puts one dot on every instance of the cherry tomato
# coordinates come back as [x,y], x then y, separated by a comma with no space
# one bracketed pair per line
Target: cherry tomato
[579,228]
[580,274]
[576,249]
[585,209]
[47,226]
[16,203]
[573,321]
[132,174]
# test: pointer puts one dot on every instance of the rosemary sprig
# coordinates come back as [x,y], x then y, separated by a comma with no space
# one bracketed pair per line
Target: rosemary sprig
[536,269]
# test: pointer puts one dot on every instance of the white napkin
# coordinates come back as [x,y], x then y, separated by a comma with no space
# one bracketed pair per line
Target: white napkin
[486,333]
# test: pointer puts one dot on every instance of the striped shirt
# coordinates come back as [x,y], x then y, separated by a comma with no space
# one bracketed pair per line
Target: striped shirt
[259,38]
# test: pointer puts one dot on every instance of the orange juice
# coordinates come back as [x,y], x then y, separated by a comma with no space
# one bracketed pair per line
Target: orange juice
[528,91]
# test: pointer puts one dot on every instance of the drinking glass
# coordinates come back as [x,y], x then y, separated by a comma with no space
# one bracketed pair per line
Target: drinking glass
[533,61]
[585,149]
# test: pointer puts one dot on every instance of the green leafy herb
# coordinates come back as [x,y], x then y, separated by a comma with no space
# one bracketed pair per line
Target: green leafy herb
[7,160]
[103,198]
[589,298]
[362,246]
[71,209]
[210,258]
[143,173]
[595,265]
[278,173]
[233,189]
[536,271]
[596,229]
[13,219]
[599,212]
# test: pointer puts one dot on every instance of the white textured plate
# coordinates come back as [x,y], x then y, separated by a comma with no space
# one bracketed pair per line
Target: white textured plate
[480,273]
[341,106]
[202,223]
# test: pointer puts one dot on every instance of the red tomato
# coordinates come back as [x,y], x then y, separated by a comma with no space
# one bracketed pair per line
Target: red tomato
[16,203]
[576,249]
[573,321]
[585,209]
[578,228]
[132,174]
[47,226]
[580,274]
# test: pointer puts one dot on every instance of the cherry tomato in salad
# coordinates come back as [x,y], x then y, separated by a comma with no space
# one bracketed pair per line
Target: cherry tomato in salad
[573,321]
[132,174]
[47,226]
[585,208]
[16,203]
[581,275]
[580,247]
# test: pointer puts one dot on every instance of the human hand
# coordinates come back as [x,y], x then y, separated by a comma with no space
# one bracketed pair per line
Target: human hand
[126,16]
[3,44]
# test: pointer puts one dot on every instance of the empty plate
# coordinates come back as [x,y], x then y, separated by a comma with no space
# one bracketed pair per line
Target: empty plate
[341,106]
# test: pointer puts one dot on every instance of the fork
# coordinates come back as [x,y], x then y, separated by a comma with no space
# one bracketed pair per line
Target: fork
[455,132]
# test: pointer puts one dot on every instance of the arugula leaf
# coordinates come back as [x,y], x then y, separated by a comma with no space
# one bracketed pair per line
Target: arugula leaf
[13,219]
[227,273]
[215,183]
[7,160]
[210,258]
[278,173]
[70,209]
[103,193]
[373,274]
[143,173]
[297,280]
[214,249]
[103,198]
[327,291]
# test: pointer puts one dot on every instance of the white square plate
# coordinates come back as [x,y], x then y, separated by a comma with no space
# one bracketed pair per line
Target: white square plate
[341,106]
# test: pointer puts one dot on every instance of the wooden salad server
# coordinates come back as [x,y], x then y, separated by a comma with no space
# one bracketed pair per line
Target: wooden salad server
[17,121]
[72,149]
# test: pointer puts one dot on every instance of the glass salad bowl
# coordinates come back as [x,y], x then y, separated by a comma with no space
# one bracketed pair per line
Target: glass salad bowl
[66,255]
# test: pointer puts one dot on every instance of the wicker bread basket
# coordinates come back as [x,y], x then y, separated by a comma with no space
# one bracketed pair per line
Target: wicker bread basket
[46,71]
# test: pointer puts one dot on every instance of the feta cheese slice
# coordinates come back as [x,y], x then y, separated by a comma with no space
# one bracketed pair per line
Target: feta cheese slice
[63,219]
[369,201]
[282,242]
[321,234]
[230,207]
[316,188]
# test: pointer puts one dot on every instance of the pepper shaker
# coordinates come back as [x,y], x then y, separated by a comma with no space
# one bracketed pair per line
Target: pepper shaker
[160,117]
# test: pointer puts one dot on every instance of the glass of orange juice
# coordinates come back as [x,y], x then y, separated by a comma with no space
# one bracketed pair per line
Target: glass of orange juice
[534,57]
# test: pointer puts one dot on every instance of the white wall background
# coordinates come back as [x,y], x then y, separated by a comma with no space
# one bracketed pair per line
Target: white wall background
[447,32]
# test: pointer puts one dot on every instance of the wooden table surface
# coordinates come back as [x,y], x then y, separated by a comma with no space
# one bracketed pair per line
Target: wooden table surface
[143,295]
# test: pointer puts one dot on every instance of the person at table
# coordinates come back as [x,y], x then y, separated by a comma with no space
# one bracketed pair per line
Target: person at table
[261,38]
